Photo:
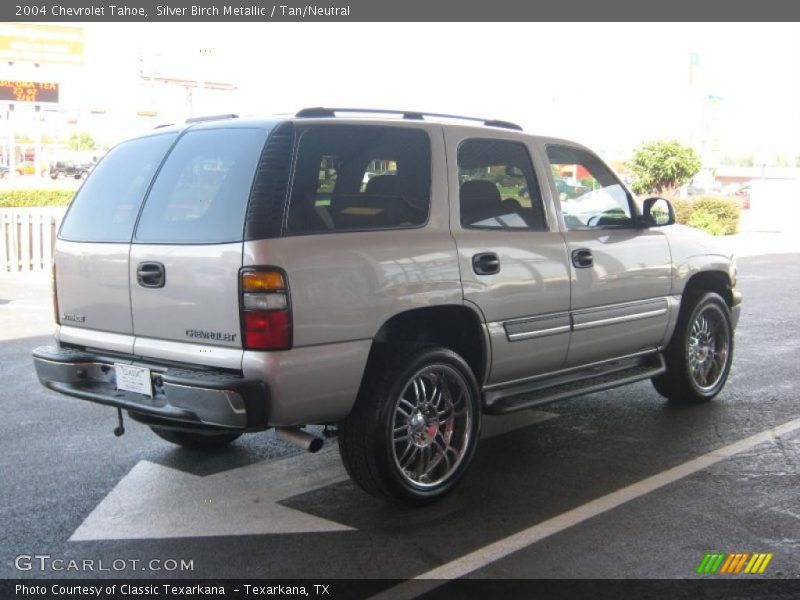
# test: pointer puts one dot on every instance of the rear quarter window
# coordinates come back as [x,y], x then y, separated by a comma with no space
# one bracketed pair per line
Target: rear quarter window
[105,208]
[201,193]
[360,177]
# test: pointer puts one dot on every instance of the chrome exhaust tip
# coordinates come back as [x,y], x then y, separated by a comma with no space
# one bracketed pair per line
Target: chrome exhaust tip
[301,439]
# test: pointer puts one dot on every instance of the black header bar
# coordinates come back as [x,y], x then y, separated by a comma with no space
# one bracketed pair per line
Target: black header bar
[397,10]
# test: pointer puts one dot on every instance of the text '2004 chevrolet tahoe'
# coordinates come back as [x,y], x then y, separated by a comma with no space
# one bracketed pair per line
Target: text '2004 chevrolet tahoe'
[393,275]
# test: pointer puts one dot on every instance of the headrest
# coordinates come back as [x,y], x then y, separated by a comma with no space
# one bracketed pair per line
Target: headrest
[479,195]
[382,185]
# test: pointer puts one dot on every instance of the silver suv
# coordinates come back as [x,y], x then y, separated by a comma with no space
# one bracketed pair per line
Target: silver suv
[392,276]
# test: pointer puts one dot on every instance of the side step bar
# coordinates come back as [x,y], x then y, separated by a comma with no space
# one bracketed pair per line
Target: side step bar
[518,398]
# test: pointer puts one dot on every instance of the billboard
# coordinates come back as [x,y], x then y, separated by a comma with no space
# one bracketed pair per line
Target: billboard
[28,91]
[41,43]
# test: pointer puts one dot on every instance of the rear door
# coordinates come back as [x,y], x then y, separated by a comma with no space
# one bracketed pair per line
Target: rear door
[511,255]
[91,255]
[187,248]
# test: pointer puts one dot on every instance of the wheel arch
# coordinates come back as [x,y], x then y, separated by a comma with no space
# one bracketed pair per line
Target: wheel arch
[455,326]
[712,281]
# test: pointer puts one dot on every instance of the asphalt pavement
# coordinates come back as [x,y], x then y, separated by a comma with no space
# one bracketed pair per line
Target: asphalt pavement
[73,491]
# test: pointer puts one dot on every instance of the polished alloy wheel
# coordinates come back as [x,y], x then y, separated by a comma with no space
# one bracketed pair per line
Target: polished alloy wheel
[708,347]
[432,426]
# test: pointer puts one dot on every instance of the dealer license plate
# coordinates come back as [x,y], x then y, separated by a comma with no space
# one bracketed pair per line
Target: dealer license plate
[133,379]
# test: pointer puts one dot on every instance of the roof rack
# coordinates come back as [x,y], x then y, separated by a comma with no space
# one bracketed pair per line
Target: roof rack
[412,115]
[211,118]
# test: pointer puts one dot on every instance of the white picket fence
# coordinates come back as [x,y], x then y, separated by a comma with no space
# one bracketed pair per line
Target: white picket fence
[27,237]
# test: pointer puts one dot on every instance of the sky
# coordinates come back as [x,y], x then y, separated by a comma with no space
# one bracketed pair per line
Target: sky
[610,86]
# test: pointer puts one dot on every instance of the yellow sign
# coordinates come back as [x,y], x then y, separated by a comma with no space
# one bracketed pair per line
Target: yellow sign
[41,43]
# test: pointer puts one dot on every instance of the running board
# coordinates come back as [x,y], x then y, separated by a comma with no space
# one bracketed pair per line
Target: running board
[498,402]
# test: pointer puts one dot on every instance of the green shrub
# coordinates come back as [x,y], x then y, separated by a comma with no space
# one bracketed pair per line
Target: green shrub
[714,215]
[683,209]
[29,198]
[702,219]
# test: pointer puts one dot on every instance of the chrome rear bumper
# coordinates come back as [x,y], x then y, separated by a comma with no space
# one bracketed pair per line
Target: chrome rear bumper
[181,396]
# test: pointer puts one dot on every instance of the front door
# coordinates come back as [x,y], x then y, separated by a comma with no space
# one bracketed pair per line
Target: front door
[620,271]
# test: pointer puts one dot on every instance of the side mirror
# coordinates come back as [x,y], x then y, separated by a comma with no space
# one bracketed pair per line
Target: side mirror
[657,212]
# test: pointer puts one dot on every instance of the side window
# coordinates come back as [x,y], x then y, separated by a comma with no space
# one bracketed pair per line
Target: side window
[590,195]
[360,177]
[105,208]
[201,193]
[498,188]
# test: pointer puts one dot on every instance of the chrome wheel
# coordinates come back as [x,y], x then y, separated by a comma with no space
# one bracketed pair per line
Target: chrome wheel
[708,348]
[432,426]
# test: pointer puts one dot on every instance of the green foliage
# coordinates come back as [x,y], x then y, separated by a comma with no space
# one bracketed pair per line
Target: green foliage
[741,160]
[28,198]
[780,161]
[683,210]
[81,141]
[704,220]
[717,216]
[662,166]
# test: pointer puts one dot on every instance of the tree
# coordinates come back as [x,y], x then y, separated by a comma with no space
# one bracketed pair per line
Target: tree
[662,166]
[81,141]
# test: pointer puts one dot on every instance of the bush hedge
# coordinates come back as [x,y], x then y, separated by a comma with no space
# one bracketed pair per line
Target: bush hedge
[712,214]
[29,198]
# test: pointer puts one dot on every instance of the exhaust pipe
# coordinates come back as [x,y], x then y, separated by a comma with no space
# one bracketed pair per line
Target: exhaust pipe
[301,439]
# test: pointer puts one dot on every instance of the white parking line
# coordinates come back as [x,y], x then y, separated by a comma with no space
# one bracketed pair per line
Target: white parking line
[502,548]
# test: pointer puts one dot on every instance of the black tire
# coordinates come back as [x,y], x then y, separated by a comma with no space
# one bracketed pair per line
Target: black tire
[194,439]
[379,459]
[692,348]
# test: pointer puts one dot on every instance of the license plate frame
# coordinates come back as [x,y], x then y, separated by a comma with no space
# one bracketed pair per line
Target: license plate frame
[131,378]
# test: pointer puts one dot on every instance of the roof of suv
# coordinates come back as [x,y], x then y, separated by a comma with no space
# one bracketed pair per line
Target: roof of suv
[320,113]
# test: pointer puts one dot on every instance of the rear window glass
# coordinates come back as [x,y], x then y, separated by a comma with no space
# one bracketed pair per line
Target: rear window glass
[201,193]
[105,209]
[360,177]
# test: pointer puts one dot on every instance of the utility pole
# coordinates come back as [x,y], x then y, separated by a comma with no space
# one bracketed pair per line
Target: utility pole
[12,143]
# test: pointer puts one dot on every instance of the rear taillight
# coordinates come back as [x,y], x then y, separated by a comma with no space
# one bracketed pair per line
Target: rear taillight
[54,292]
[266,316]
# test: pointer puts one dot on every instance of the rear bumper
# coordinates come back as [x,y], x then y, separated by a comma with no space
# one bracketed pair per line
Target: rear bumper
[206,399]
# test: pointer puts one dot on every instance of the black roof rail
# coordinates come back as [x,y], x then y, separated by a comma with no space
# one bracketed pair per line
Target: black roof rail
[211,118]
[413,115]
[163,125]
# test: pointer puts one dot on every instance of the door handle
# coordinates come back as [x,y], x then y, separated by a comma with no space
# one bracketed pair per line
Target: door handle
[582,258]
[151,275]
[486,263]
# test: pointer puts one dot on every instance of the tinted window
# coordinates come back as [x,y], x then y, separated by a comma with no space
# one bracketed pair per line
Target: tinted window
[105,209]
[589,193]
[201,193]
[498,187]
[360,177]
